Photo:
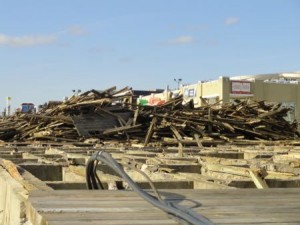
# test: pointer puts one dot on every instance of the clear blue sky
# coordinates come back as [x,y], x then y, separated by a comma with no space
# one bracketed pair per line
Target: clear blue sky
[48,48]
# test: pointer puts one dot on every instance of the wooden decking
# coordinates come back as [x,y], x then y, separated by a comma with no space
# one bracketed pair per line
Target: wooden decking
[239,206]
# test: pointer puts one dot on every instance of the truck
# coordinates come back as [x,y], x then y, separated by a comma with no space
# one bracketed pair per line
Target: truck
[27,108]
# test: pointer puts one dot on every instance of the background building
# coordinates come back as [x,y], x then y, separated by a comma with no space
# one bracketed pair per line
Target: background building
[281,88]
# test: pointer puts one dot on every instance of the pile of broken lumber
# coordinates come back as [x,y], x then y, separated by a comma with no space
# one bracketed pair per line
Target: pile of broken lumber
[55,122]
[109,115]
[250,120]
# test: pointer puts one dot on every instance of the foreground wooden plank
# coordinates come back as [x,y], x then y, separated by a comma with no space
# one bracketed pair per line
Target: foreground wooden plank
[230,206]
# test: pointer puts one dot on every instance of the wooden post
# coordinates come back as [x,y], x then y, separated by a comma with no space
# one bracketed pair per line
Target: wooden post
[179,139]
[150,131]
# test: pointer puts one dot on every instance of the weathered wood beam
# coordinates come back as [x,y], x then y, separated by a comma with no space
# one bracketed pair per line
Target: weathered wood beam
[121,129]
[150,131]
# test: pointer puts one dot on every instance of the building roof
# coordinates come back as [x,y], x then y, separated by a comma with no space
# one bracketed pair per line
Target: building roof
[286,75]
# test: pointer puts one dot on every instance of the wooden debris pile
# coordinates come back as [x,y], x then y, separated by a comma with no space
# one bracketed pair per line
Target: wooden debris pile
[55,122]
[249,120]
[110,115]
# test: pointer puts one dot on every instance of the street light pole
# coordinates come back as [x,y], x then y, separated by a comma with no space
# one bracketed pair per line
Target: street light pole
[178,80]
[76,92]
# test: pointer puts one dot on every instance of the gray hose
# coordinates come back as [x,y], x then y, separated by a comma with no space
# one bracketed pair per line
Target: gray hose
[184,215]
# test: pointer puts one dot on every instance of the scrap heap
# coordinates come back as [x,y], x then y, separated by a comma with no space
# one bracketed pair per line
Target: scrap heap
[250,120]
[57,120]
[110,115]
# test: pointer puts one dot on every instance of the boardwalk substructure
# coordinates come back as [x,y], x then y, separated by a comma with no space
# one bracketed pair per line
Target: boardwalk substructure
[44,183]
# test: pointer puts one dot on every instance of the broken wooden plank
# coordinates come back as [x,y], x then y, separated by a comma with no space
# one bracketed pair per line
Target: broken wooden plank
[121,129]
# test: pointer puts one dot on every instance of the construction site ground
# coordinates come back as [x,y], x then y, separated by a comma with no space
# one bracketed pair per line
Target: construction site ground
[44,183]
